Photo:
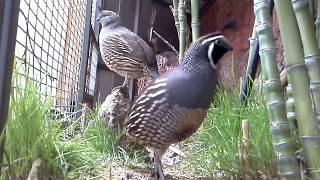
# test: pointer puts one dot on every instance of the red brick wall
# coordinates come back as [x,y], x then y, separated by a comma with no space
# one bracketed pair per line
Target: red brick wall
[233,65]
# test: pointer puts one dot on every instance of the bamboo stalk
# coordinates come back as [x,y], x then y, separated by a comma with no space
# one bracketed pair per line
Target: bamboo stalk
[195,23]
[283,146]
[297,71]
[35,169]
[175,11]
[245,145]
[317,22]
[311,51]
[252,40]
[311,8]
[245,135]
[244,148]
[183,29]
[291,114]
[253,60]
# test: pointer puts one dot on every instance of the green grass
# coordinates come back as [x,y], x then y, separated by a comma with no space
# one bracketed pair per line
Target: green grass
[30,133]
[89,146]
[215,146]
[84,146]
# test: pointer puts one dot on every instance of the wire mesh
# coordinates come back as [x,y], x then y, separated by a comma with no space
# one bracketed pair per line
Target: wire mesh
[48,48]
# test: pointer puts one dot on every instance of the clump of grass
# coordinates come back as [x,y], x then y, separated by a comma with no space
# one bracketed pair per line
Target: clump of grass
[85,147]
[214,149]
[30,133]
[84,143]
[88,148]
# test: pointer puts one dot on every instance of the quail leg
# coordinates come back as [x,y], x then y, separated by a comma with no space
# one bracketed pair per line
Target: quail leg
[158,172]
[126,81]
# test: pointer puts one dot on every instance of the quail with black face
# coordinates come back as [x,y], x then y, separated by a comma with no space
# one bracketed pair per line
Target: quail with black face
[123,51]
[173,107]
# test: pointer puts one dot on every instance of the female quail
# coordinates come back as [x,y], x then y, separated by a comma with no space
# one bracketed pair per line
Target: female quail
[173,107]
[123,51]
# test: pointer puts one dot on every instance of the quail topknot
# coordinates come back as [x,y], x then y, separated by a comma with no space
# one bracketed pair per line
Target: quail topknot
[123,51]
[173,107]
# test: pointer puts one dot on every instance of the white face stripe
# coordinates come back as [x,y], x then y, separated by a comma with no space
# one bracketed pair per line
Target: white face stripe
[210,50]
[212,39]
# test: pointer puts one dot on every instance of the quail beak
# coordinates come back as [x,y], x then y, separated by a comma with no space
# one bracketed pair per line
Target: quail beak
[98,19]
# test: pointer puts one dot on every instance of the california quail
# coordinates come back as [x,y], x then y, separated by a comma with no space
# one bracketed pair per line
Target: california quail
[173,107]
[166,61]
[115,108]
[123,51]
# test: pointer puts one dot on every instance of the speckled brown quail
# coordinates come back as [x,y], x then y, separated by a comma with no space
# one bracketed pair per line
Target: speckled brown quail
[173,107]
[123,51]
[166,61]
[115,108]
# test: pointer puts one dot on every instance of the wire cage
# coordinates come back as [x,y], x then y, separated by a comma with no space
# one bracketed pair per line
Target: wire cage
[49,49]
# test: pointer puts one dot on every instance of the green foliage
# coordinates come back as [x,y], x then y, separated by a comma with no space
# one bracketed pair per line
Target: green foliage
[30,133]
[215,146]
[72,151]
[102,138]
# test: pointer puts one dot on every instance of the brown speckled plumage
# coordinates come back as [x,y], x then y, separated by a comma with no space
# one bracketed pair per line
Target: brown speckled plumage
[166,61]
[123,51]
[173,107]
[115,108]
[174,123]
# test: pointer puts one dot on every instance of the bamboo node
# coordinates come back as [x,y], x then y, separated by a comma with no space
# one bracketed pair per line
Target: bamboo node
[314,86]
[263,27]
[252,40]
[312,60]
[260,5]
[273,103]
[272,82]
[294,67]
[267,50]
[195,23]
[310,138]
[299,4]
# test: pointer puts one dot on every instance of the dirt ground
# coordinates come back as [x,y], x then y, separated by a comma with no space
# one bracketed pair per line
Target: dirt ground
[172,165]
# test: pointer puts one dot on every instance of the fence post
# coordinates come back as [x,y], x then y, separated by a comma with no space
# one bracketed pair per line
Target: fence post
[84,57]
[9,23]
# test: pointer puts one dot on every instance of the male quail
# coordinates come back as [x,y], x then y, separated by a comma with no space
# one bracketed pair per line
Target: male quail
[123,51]
[174,106]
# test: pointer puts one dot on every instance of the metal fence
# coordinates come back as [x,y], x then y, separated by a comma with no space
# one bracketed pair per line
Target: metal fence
[52,42]
[49,47]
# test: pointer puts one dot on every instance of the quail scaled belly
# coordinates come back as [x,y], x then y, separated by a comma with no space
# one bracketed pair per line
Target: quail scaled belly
[173,107]
[123,51]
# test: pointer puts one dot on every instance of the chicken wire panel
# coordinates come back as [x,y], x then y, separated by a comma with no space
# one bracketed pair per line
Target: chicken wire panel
[48,47]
